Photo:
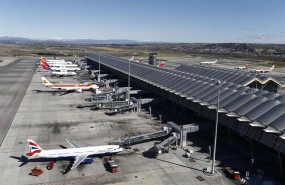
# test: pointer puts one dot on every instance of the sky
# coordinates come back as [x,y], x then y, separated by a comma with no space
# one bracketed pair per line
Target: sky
[188,21]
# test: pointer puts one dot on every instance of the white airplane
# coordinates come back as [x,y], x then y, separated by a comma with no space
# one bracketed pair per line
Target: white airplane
[69,68]
[70,87]
[55,60]
[59,72]
[209,63]
[263,70]
[80,154]
[63,72]
[61,66]
[245,67]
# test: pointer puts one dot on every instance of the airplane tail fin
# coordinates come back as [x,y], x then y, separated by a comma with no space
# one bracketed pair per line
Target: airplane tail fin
[161,64]
[45,81]
[140,60]
[132,59]
[34,148]
[272,67]
[44,66]
[43,59]
[45,63]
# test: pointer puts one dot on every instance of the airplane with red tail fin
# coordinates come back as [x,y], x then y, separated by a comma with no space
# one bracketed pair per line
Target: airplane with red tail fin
[79,154]
[70,87]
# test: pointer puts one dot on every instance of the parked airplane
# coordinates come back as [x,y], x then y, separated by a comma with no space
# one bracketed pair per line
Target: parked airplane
[80,154]
[70,68]
[61,66]
[60,72]
[63,72]
[263,70]
[209,63]
[55,60]
[245,67]
[161,64]
[69,87]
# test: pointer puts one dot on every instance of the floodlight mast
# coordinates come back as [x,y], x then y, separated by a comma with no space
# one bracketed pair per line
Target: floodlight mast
[129,80]
[216,128]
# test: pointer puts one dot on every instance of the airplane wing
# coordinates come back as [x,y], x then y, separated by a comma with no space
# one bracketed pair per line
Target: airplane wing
[73,145]
[78,160]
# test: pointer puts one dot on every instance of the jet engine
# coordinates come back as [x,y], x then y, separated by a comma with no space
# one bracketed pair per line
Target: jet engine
[95,87]
[88,160]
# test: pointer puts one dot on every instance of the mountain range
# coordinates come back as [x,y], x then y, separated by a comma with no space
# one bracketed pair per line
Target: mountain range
[21,40]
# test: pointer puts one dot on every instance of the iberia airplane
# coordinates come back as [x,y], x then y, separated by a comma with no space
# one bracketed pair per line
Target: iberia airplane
[69,87]
[55,61]
[263,70]
[80,154]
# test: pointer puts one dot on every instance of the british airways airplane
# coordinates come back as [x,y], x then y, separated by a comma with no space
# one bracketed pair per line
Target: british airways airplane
[80,154]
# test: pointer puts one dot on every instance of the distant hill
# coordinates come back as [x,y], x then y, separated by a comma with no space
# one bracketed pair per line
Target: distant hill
[21,40]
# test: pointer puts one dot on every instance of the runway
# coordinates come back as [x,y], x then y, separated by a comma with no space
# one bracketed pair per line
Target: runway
[15,78]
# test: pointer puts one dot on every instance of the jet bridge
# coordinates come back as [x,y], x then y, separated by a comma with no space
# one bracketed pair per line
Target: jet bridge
[182,131]
[113,106]
[165,145]
[141,138]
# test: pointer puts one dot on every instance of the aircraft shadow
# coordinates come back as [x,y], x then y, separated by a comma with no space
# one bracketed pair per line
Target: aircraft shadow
[25,160]
[53,92]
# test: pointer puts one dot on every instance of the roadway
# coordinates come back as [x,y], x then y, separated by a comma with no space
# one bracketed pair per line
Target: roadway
[15,78]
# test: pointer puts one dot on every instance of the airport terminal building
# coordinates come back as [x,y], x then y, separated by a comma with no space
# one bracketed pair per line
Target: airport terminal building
[249,107]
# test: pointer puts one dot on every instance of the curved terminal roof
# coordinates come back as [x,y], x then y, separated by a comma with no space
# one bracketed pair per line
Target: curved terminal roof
[227,75]
[198,84]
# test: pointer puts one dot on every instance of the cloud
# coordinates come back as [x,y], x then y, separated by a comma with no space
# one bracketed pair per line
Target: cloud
[264,36]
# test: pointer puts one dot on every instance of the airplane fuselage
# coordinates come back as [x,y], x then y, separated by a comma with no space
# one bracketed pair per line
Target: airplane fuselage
[262,70]
[72,152]
[65,73]
[72,86]
[70,68]
[62,64]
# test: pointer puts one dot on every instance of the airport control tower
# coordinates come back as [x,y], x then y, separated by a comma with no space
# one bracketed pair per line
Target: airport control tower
[152,59]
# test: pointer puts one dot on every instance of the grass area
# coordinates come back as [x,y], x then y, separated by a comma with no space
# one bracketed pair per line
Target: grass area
[277,64]
[140,53]
[164,54]
[110,49]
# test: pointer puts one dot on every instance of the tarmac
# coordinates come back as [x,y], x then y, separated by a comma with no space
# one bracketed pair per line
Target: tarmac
[48,117]
[173,62]
[15,77]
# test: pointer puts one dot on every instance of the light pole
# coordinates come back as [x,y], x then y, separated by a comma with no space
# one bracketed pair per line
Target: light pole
[99,77]
[129,80]
[216,128]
